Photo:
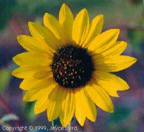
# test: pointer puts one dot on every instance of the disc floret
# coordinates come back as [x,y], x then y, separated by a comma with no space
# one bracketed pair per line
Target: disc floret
[72,66]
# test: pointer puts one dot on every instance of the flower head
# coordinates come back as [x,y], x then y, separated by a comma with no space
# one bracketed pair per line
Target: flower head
[66,68]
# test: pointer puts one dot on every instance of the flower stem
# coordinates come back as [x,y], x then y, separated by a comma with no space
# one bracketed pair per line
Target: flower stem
[52,123]
[69,127]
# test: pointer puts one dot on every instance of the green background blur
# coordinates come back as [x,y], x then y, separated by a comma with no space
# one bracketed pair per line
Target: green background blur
[127,15]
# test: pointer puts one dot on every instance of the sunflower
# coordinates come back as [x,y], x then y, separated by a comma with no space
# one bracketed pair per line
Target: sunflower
[68,64]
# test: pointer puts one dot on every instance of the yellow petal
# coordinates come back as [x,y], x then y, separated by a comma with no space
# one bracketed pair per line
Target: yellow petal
[66,20]
[29,58]
[32,83]
[79,111]
[100,97]
[84,107]
[55,100]
[111,83]
[116,63]
[44,34]
[104,41]
[26,71]
[116,49]
[32,44]
[41,104]
[36,94]
[80,115]
[95,28]
[80,27]
[54,26]
[43,74]
[67,110]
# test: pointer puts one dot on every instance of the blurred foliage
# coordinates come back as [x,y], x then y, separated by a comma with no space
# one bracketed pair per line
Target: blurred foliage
[5,77]
[120,114]
[28,110]
[6,11]
[136,38]
[136,1]
[39,6]
[118,120]
[8,117]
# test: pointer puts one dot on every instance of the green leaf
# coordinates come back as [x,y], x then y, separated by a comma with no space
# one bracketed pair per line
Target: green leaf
[9,117]
[4,79]
[29,111]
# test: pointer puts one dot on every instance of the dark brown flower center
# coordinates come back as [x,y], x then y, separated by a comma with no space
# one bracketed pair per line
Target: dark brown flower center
[72,67]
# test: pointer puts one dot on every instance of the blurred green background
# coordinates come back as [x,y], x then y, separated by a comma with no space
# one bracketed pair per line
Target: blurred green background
[127,15]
